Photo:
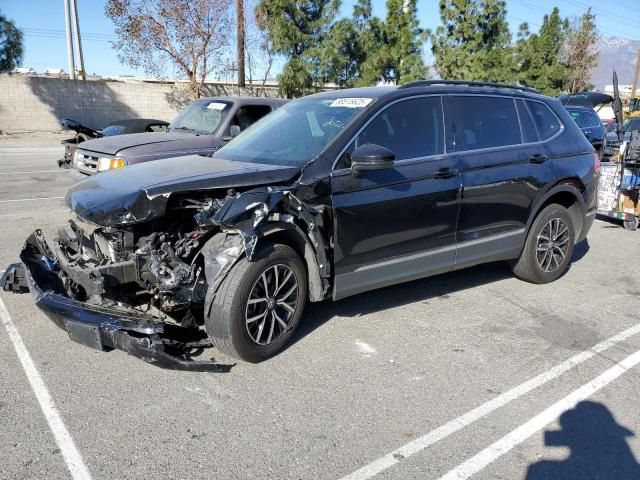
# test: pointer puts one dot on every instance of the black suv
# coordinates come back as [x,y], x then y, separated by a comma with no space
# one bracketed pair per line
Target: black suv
[330,195]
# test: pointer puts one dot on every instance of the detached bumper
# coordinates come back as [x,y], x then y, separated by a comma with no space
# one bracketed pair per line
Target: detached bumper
[94,326]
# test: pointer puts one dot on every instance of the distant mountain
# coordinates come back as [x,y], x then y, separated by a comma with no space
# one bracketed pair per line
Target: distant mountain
[615,52]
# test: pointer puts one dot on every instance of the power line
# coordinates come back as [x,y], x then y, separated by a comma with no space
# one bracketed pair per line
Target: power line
[37,35]
[542,10]
[62,32]
[602,13]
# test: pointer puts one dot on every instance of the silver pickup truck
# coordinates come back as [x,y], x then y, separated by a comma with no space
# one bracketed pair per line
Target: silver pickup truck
[201,128]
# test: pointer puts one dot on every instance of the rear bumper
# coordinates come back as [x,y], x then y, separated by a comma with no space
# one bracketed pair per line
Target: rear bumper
[94,326]
[588,223]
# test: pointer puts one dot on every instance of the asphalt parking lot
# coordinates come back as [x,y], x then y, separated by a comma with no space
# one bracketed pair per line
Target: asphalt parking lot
[472,373]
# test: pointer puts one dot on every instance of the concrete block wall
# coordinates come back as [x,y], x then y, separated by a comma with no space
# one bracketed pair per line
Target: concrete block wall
[34,104]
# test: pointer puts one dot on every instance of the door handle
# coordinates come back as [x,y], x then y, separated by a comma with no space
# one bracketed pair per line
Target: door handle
[446,173]
[538,158]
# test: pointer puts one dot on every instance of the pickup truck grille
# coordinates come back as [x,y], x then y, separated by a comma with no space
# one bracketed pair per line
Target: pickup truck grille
[86,162]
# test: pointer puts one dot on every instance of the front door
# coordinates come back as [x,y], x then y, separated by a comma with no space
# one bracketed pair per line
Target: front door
[396,224]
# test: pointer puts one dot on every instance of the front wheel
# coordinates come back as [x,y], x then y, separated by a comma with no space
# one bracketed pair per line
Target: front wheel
[548,248]
[259,305]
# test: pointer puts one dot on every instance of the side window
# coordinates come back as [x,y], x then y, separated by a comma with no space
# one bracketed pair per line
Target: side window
[157,127]
[410,128]
[249,114]
[527,125]
[475,122]
[546,122]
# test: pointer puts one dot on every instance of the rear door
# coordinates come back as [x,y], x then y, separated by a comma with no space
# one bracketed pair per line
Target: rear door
[503,167]
[396,224]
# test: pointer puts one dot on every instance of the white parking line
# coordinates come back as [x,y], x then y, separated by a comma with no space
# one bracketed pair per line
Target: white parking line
[527,429]
[70,453]
[30,199]
[485,409]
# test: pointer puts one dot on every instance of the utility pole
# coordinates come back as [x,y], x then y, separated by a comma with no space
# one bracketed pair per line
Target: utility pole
[78,41]
[67,23]
[240,34]
[634,85]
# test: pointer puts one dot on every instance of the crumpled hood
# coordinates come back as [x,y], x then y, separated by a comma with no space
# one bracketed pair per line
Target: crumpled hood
[114,144]
[139,193]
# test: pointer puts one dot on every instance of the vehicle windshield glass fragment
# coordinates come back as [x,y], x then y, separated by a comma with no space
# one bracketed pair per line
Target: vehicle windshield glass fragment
[113,130]
[201,117]
[296,133]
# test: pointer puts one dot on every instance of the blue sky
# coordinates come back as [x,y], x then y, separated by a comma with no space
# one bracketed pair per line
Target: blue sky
[43,24]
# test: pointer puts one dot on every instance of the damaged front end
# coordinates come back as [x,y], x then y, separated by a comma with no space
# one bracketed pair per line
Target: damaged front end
[146,287]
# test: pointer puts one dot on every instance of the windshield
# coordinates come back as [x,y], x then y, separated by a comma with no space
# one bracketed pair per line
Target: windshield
[112,130]
[295,133]
[201,117]
[585,119]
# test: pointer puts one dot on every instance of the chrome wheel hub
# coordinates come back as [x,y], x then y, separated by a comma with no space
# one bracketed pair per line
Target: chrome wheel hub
[552,245]
[272,304]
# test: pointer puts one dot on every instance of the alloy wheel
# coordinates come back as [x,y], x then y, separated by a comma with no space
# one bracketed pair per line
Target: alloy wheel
[552,245]
[272,304]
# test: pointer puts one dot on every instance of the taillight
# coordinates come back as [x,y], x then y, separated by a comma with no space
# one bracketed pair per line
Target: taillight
[597,166]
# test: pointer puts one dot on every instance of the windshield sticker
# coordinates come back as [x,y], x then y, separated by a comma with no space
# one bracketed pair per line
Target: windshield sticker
[350,102]
[216,106]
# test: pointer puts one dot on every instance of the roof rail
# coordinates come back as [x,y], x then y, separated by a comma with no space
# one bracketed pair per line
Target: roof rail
[428,83]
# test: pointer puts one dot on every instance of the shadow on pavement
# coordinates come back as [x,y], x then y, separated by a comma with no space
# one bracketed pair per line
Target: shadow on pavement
[598,447]
[424,290]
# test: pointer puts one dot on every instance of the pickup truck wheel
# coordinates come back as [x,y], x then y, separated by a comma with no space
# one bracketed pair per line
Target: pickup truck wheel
[548,248]
[259,305]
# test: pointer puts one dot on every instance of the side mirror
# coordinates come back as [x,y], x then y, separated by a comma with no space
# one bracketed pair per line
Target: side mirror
[234,130]
[371,157]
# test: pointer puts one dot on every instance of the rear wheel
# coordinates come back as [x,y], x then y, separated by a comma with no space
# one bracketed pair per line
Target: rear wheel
[548,248]
[259,305]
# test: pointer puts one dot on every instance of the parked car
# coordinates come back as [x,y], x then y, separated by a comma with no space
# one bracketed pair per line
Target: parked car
[201,128]
[612,143]
[119,127]
[331,195]
[590,124]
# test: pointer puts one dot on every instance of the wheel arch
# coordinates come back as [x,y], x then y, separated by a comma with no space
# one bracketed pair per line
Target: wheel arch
[567,193]
[293,236]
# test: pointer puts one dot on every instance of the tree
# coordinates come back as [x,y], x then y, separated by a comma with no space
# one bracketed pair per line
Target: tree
[191,35]
[11,48]
[579,52]
[349,49]
[400,58]
[538,55]
[296,29]
[473,42]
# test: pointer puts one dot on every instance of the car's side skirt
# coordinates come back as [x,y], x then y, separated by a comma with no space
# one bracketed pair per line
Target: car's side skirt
[503,246]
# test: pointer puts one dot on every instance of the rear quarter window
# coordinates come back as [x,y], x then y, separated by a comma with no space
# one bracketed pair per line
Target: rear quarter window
[545,120]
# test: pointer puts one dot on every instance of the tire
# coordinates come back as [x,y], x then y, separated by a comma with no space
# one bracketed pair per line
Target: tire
[227,322]
[631,224]
[81,137]
[543,261]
